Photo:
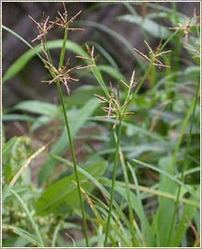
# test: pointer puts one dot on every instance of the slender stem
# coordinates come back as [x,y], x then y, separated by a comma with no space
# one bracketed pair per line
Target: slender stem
[62,54]
[168,40]
[72,150]
[144,78]
[131,216]
[73,155]
[46,49]
[116,158]
[55,234]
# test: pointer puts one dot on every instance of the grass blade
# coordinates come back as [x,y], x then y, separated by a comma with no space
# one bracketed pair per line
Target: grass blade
[29,215]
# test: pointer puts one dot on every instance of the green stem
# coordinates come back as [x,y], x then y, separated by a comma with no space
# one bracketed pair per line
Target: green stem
[116,157]
[55,234]
[44,44]
[72,150]
[131,216]
[73,155]
[62,53]
[144,78]
[168,40]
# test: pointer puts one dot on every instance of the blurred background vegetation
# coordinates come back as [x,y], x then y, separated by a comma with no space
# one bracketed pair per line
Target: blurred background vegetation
[104,17]
[160,142]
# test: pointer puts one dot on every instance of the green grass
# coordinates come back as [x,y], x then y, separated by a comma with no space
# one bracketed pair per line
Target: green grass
[120,177]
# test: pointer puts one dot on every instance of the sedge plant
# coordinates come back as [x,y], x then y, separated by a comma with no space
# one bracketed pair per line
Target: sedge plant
[61,74]
[113,105]
[117,110]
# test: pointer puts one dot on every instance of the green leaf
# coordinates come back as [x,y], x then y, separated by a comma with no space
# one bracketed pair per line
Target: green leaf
[81,95]
[134,200]
[145,226]
[40,121]
[185,221]
[166,206]
[105,54]
[76,120]
[17,117]
[116,37]
[148,25]
[15,153]
[19,173]
[62,196]
[151,191]
[37,107]
[30,217]
[24,234]
[113,72]
[22,61]
[166,174]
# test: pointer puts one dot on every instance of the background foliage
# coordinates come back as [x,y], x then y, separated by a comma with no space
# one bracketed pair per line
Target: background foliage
[158,171]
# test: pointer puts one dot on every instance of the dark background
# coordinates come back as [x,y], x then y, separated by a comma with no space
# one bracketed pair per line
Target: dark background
[27,84]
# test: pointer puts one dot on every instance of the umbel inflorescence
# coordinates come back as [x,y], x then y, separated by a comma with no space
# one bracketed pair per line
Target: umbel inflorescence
[61,73]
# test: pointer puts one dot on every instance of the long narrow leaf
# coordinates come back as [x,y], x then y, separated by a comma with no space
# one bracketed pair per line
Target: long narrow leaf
[76,122]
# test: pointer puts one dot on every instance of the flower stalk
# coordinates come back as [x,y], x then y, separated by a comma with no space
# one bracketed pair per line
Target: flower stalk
[117,110]
[73,155]
[62,75]
[117,136]
[72,149]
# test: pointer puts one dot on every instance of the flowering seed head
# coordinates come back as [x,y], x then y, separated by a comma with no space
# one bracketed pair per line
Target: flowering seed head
[153,56]
[43,27]
[187,25]
[62,20]
[61,75]
[112,104]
